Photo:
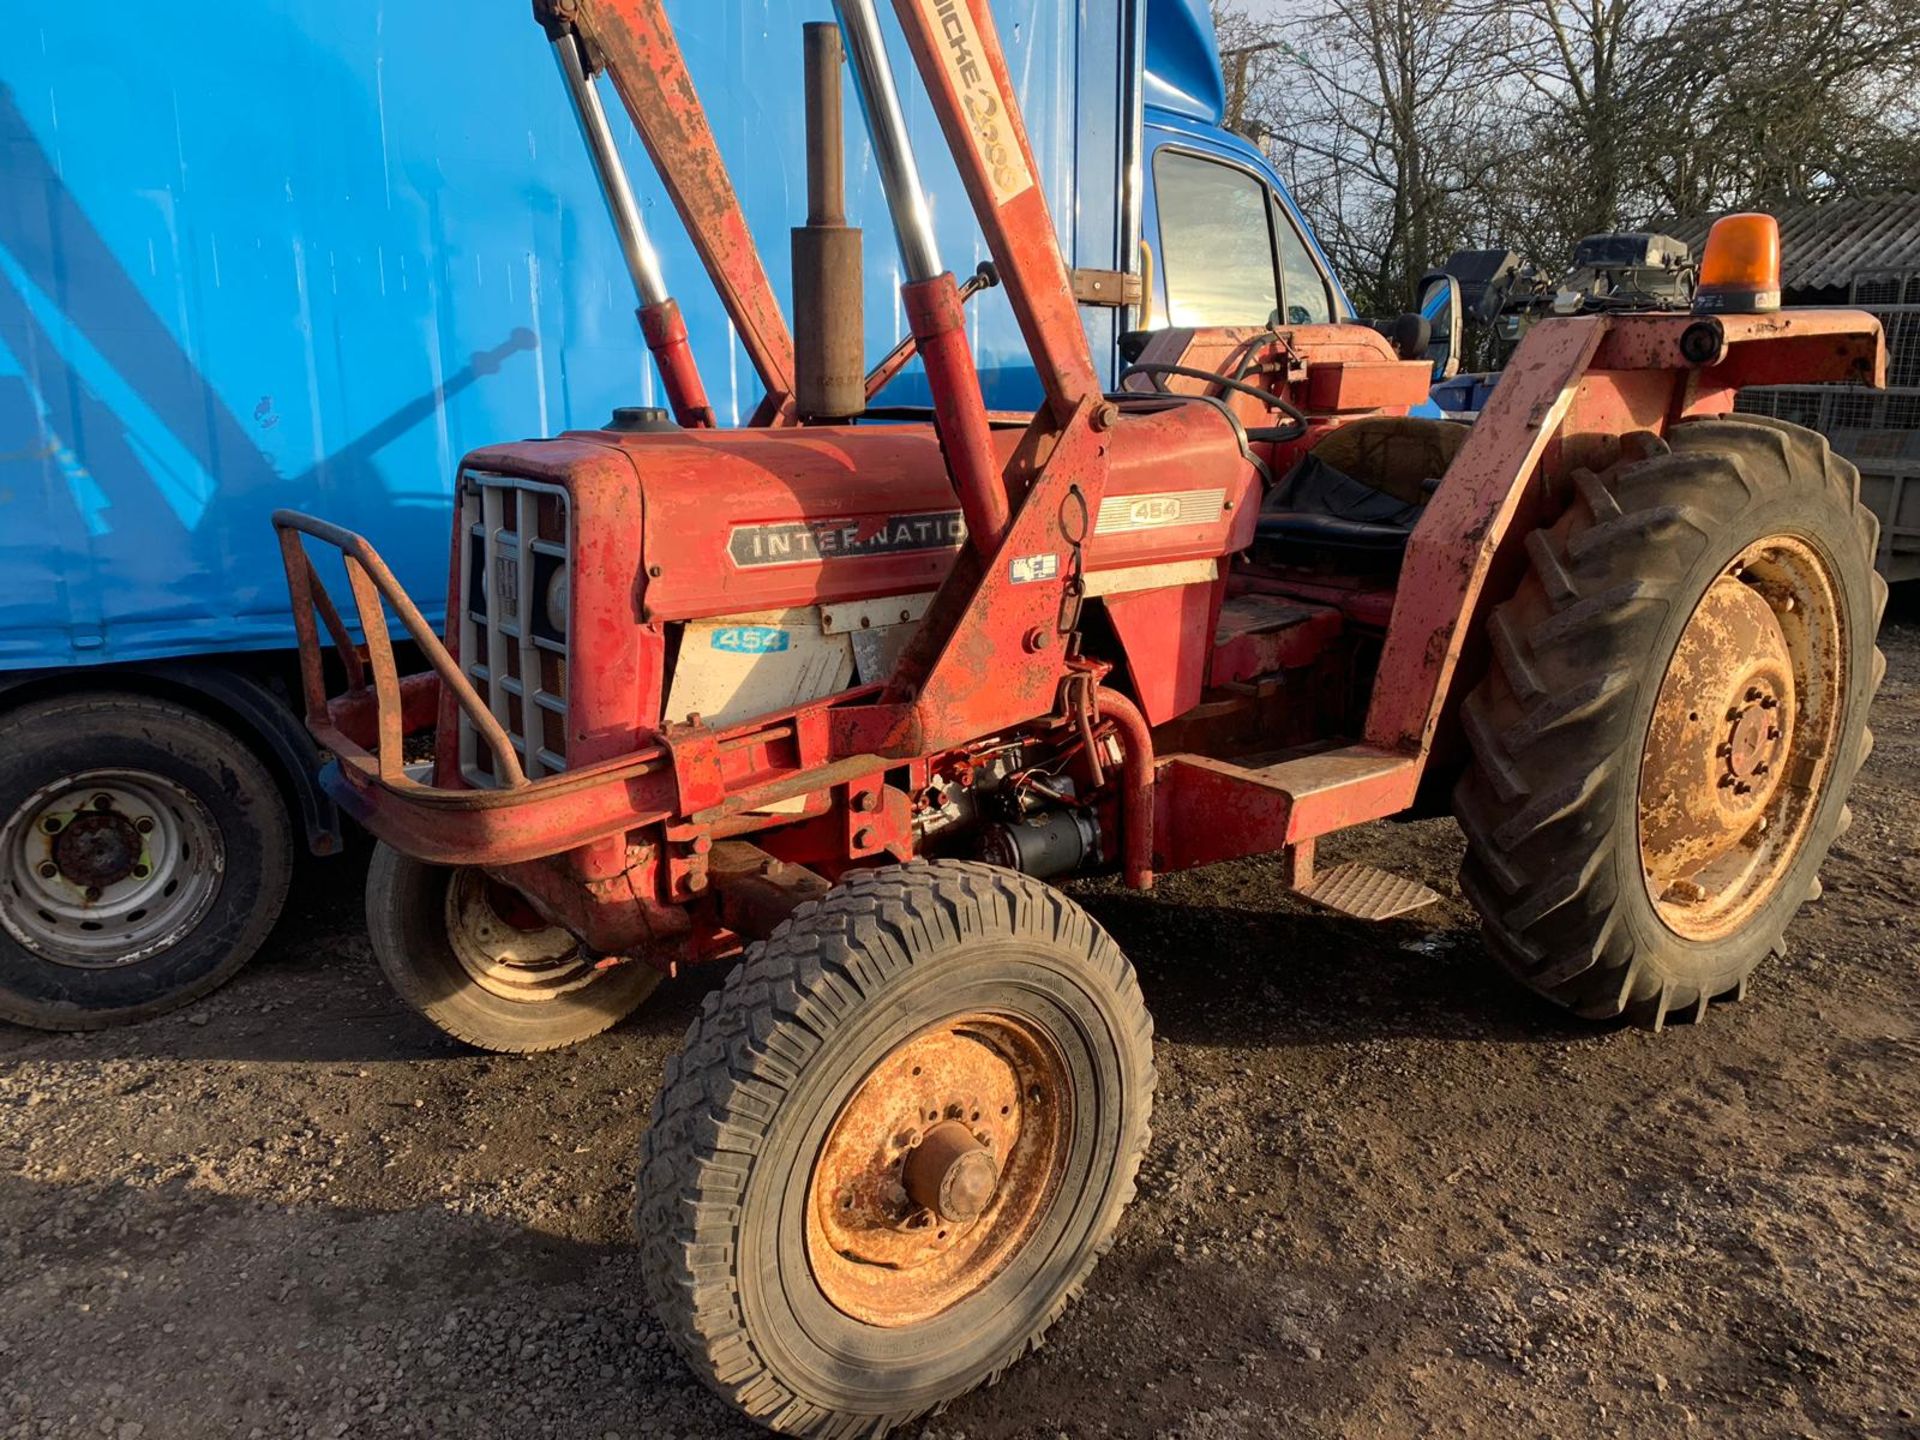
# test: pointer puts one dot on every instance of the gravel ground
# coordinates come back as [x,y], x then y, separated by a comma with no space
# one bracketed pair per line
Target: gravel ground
[1387,1195]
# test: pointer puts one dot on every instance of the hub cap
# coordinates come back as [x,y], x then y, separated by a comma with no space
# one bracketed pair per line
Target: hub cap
[108,867]
[507,948]
[1741,740]
[939,1169]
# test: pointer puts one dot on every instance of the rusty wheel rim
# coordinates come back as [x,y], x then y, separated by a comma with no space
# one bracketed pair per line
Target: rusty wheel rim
[505,949]
[939,1169]
[1740,745]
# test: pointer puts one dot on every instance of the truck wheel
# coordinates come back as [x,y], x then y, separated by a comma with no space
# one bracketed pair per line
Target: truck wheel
[894,1146]
[1674,714]
[475,959]
[144,856]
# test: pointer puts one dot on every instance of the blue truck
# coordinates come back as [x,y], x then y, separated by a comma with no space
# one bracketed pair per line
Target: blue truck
[306,253]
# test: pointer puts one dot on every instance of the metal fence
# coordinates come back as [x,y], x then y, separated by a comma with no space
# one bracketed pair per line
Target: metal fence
[1879,430]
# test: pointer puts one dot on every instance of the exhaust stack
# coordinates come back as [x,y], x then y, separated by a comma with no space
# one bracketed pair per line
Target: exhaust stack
[829,318]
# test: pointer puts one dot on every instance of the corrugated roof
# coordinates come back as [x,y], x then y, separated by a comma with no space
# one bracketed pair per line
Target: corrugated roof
[1824,246]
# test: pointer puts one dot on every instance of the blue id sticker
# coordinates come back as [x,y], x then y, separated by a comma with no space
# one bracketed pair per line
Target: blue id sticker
[752,640]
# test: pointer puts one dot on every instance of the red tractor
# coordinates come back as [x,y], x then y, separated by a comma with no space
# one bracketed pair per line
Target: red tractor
[837,696]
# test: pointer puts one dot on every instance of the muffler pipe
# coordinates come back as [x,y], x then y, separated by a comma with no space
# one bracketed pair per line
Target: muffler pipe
[829,313]
[660,319]
[930,297]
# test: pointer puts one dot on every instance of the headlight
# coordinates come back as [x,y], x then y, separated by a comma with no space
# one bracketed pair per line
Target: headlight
[556,600]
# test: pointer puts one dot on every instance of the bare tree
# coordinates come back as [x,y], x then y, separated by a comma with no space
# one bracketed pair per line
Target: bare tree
[1786,101]
[1383,113]
[1410,127]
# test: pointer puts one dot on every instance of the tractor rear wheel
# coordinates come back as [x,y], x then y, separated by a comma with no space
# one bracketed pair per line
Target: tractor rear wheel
[473,958]
[894,1145]
[1675,711]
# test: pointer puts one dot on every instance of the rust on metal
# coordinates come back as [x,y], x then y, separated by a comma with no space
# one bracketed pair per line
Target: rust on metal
[1116,289]
[951,1173]
[374,587]
[1452,550]
[97,848]
[505,947]
[939,1168]
[1803,347]
[1136,784]
[757,890]
[829,320]
[939,325]
[1739,743]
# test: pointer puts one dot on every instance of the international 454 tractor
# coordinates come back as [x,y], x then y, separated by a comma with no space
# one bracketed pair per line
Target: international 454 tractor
[837,694]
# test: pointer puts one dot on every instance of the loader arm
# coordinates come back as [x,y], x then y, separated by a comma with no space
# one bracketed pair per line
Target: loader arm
[957,49]
[635,42]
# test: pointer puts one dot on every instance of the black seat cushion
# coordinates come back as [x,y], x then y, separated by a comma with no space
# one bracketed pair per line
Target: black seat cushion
[1319,506]
[1298,525]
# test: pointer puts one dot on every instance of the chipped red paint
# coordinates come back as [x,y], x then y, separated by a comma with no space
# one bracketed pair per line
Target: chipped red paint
[1151,505]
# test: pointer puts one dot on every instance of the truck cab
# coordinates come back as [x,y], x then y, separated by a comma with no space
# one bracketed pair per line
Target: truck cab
[1225,242]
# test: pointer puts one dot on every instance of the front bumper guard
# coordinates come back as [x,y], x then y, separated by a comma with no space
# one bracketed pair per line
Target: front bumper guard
[365,728]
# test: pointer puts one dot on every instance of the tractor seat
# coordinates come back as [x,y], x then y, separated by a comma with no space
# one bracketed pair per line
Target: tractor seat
[1357,495]
[1306,527]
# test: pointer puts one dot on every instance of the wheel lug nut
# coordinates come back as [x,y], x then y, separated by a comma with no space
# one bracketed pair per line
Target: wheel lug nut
[140,872]
[103,802]
[1768,702]
[51,825]
[93,892]
[1753,692]
[48,870]
[144,824]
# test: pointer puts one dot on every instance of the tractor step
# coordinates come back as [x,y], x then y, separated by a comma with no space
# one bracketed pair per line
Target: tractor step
[1366,892]
[1218,809]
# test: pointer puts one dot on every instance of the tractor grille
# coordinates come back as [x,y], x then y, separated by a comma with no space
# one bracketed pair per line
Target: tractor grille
[513,620]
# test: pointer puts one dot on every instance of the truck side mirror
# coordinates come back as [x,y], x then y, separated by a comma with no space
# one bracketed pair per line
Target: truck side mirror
[1439,304]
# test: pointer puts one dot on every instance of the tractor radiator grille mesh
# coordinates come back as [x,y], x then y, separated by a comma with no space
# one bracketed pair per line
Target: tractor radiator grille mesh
[513,620]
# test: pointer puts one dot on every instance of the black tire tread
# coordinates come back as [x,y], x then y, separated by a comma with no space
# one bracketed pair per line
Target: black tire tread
[70,714]
[1547,726]
[774,1010]
[552,1025]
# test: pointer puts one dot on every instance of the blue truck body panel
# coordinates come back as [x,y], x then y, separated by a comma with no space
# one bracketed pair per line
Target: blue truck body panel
[308,252]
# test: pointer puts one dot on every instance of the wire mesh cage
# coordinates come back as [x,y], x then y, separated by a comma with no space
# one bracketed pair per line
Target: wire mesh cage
[1879,430]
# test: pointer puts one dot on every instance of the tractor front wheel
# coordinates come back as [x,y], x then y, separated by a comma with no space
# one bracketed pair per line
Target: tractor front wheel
[895,1144]
[472,957]
[1674,714]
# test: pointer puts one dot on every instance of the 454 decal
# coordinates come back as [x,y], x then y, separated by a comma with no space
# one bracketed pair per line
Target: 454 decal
[752,640]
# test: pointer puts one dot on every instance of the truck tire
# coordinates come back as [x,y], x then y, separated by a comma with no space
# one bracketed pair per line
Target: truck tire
[894,1146]
[1674,713]
[144,856]
[472,958]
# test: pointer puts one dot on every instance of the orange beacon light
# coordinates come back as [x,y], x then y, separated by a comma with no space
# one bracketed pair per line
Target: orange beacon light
[1740,271]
